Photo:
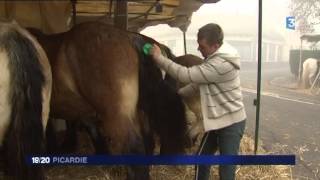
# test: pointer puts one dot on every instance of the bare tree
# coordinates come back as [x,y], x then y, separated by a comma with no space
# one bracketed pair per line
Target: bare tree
[307,13]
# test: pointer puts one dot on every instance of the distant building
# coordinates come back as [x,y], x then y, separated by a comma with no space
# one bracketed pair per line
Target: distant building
[240,33]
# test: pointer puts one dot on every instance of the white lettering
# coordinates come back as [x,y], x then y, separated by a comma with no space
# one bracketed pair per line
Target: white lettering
[69,160]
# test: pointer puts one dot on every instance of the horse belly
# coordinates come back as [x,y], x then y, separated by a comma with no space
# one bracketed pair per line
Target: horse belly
[69,106]
[5,109]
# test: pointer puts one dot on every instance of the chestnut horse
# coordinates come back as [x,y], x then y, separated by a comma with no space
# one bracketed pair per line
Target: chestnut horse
[102,77]
[25,86]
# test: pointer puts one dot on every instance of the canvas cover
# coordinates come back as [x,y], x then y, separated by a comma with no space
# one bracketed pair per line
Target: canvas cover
[54,16]
[49,16]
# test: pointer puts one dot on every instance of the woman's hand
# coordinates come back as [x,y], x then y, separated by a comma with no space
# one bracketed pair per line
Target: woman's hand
[155,51]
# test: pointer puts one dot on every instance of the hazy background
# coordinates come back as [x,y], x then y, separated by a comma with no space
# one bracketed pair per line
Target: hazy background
[239,19]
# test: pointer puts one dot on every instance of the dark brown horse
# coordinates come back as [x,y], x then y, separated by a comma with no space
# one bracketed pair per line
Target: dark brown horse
[192,103]
[101,75]
[25,89]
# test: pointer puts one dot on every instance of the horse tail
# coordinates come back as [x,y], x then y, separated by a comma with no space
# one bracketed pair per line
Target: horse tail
[165,50]
[148,78]
[24,135]
[163,106]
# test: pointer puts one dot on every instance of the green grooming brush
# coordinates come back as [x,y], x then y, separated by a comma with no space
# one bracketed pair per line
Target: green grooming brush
[146,48]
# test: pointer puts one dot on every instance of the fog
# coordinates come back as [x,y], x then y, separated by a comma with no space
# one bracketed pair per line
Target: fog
[239,20]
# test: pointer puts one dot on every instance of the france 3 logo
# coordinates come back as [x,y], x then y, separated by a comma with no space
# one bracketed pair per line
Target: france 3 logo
[291,22]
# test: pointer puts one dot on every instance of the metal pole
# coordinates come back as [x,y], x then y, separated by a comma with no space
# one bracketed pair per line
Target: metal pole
[257,101]
[300,63]
[110,8]
[184,42]
[74,12]
[121,15]
[315,80]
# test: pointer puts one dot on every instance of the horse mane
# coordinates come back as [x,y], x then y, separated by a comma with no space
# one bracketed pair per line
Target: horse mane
[24,135]
[164,107]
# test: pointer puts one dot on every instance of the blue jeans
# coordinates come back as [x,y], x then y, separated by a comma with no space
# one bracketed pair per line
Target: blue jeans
[227,140]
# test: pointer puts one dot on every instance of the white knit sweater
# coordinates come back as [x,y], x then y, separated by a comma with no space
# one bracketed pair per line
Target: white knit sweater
[219,84]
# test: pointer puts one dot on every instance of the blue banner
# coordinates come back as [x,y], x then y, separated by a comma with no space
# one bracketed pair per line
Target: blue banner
[163,160]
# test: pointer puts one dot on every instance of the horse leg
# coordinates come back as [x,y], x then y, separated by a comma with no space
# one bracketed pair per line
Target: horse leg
[122,136]
[70,138]
[138,172]
[142,172]
[149,143]
[95,136]
[147,132]
[70,142]
[51,137]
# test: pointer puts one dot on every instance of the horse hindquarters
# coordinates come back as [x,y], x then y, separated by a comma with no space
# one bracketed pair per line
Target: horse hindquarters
[24,135]
[310,68]
[116,96]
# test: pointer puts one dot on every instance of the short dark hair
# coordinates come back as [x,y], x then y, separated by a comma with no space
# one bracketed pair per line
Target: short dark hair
[212,33]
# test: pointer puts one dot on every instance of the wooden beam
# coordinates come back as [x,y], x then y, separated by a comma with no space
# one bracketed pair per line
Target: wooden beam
[94,7]
[171,2]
